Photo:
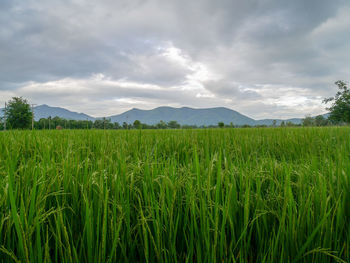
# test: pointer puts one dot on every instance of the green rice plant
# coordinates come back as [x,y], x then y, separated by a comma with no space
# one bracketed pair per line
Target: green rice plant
[211,195]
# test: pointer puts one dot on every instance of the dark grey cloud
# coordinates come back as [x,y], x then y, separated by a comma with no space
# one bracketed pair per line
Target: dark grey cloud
[280,56]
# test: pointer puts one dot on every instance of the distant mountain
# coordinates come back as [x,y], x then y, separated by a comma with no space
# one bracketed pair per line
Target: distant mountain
[45,111]
[199,117]
[278,121]
[269,122]
[184,116]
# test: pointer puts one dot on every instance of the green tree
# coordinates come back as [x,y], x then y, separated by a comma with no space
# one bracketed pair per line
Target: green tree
[308,121]
[2,119]
[18,113]
[340,108]
[103,123]
[98,124]
[221,124]
[137,124]
[173,125]
[108,124]
[161,125]
[321,121]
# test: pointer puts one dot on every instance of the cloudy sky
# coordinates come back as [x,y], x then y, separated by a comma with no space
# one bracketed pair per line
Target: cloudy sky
[263,58]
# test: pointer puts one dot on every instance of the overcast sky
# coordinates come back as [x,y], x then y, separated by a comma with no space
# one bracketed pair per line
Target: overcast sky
[263,58]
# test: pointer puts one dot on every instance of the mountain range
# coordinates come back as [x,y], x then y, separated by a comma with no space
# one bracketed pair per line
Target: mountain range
[184,116]
[45,111]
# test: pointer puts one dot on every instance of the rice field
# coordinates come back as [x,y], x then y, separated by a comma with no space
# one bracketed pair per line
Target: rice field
[211,195]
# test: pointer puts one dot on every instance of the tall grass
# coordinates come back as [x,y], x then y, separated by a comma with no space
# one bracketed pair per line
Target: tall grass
[233,195]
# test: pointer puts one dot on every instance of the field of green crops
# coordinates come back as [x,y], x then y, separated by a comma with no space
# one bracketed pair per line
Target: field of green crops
[216,195]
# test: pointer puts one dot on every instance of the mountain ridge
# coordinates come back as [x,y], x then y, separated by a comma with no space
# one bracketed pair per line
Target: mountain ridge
[45,111]
[183,115]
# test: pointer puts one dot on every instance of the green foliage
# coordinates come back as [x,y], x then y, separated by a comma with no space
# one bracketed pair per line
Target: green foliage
[161,125]
[210,195]
[52,123]
[125,125]
[308,121]
[137,124]
[340,108]
[2,119]
[103,123]
[18,114]
[221,124]
[173,125]
[321,121]
[316,121]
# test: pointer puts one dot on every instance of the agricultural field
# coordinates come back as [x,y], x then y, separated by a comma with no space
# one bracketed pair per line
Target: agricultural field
[211,195]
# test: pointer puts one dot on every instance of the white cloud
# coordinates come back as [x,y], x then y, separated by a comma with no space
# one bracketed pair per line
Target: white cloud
[6,95]
[100,95]
[262,58]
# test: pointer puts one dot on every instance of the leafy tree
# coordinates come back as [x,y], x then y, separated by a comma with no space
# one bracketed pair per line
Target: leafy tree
[321,121]
[41,124]
[283,124]
[161,125]
[221,124]
[108,124]
[173,125]
[56,121]
[308,121]
[137,124]
[2,119]
[340,108]
[98,124]
[125,125]
[49,120]
[147,126]
[18,113]
[103,123]
[190,126]
[45,123]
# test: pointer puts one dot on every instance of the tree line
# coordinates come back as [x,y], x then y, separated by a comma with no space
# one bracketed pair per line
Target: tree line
[103,123]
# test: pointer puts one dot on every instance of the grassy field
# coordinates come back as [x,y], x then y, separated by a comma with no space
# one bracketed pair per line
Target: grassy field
[220,195]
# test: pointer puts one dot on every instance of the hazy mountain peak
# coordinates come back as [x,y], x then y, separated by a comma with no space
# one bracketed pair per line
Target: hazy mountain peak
[45,111]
